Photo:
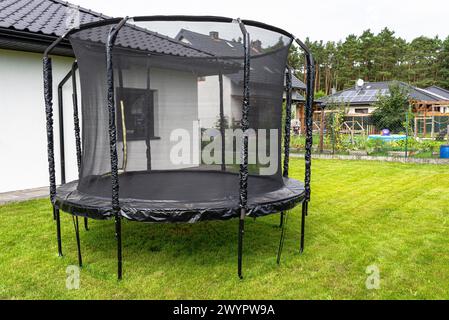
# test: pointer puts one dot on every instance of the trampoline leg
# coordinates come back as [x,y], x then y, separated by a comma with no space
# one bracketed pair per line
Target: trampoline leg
[78,244]
[281,241]
[303,222]
[281,222]
[240,247]
[86,224]
[58,230]
[118,234]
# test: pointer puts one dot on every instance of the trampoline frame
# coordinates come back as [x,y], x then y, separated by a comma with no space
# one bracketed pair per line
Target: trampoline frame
[117,24]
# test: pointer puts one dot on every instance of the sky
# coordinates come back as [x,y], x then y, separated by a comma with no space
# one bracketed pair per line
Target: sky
[325,20]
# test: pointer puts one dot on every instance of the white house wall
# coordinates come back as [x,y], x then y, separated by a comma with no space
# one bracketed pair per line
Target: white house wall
[176,107]
[23,142]
[209,100]
[352,110]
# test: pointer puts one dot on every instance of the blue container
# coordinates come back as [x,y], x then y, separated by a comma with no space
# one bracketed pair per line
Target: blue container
[444,151]
[390,138]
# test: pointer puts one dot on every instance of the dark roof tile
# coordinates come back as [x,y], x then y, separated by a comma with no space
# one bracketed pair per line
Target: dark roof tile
[49,17]
[224,47]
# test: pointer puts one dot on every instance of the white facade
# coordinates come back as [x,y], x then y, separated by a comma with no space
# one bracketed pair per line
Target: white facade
[23,141]
[360,110]
[176,107]
[209,101]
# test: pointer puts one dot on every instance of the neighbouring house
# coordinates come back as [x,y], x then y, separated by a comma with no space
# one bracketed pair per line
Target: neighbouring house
[360,99]
[27,28]
[208,87]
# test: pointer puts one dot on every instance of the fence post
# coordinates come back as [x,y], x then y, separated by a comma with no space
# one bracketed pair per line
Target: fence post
[406,133]
[322,130]
[333,133]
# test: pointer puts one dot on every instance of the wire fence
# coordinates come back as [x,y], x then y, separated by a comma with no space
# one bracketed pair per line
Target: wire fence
[414,136]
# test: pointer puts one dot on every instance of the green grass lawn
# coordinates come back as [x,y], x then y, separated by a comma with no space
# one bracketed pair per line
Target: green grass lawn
[394,216]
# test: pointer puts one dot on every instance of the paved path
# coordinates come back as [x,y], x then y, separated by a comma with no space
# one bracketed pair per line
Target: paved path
[23,195]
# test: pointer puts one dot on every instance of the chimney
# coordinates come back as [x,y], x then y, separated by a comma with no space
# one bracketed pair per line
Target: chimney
[213,35]
[257,45]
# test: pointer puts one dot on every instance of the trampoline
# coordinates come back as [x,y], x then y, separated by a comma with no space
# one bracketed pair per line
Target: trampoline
[180,120]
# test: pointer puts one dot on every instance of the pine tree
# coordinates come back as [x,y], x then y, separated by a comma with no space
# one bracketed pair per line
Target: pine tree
[423,57]
[382,57]
[443,64]
[368,50]
[389,51]
[348,65]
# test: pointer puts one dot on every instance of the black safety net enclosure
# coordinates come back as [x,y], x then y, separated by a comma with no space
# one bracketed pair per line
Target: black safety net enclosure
[179,119]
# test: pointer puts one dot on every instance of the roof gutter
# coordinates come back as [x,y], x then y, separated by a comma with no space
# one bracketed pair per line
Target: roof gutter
[32,42]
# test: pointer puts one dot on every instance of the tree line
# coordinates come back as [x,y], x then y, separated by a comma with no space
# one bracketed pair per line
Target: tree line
[421,62]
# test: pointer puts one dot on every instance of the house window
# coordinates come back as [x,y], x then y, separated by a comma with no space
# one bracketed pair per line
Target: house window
[361,110]
[137,107]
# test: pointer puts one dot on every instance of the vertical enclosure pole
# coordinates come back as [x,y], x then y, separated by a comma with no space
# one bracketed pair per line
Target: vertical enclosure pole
[56,214]
[287,126]
[61,124]
[48,98]
[309,138]
[113,141]
[76,120]
[148,138]
[288,119]
[244,150]
[122,114]
[61,128]
[76,125]
[58,230]
[303,223]
[281,241]
[78,243]
[222,122]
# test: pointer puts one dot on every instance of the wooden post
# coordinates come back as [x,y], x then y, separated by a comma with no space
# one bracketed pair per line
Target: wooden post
[432,118]
[425,122]
[302,119]
[322,131]
[352,136]
[416,127]
[432,132]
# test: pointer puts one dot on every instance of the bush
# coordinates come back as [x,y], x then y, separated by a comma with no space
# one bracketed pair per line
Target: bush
[391,110]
